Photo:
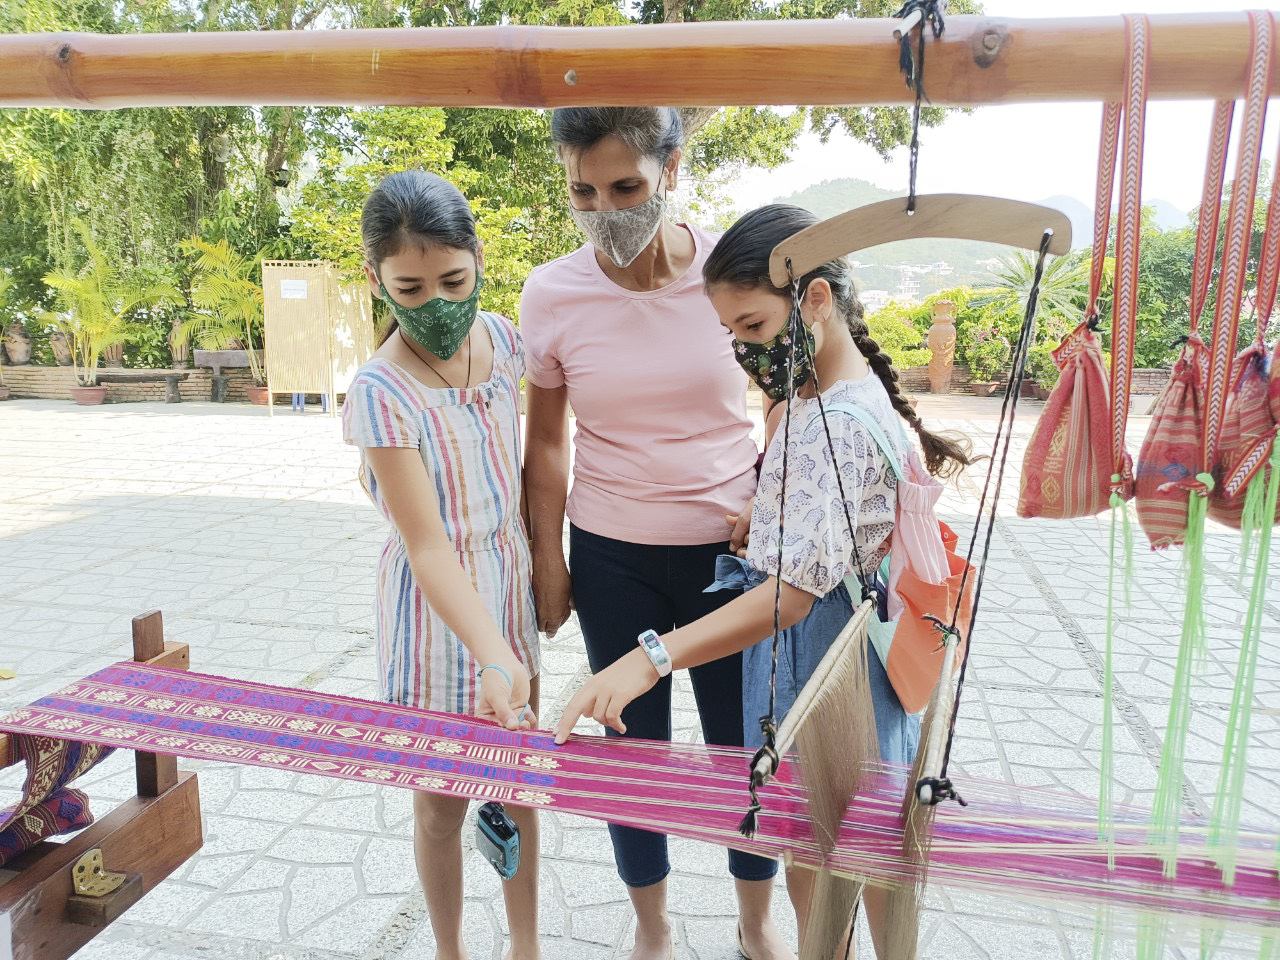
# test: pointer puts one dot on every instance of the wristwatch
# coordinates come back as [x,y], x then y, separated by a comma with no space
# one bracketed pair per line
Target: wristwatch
[653,648]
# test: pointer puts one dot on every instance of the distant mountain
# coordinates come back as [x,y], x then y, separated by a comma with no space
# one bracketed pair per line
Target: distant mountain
[909,269]
[933,265]
[830,197]
[1169,217]
[1081,218]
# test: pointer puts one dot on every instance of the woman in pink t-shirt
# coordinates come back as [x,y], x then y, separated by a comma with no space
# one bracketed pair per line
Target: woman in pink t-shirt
[621,331]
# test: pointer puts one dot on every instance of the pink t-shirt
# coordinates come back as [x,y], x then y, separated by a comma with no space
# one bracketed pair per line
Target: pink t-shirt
[663,448]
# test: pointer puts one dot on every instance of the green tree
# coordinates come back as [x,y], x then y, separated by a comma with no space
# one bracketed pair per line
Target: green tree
[1061,301]
[227,301]
[143,180]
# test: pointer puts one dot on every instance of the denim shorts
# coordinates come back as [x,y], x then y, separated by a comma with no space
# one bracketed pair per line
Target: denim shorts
[802,648]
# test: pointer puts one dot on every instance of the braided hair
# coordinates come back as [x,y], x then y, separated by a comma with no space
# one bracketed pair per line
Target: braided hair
[741,258]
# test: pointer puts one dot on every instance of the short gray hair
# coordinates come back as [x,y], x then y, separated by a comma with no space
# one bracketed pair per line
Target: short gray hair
[649,131]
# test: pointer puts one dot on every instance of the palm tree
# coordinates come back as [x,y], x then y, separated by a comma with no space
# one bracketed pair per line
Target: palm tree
[228,304]
[1064,288]
[94,304]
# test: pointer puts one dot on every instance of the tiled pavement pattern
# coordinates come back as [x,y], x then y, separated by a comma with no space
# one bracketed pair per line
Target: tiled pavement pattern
[252,536]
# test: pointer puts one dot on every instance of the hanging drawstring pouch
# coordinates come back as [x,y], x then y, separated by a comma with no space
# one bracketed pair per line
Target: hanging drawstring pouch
[1172,453]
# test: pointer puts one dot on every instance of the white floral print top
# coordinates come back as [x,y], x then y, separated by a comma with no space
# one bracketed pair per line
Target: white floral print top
[816,550]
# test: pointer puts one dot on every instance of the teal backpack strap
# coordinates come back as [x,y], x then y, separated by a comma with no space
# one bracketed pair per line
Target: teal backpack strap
[879,632]
[868,421]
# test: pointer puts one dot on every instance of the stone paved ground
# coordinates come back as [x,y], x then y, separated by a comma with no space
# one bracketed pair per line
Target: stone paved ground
[253,538]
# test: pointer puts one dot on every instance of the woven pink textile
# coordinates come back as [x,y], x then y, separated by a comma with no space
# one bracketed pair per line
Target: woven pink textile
[1042,846]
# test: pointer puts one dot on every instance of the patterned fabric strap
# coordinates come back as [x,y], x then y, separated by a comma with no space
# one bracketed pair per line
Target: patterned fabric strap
[1125,311]
[1235,255]
[1210,208]
[1108,143]
[1269,262]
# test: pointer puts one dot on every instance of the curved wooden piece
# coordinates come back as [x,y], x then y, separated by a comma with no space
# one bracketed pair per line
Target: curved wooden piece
[957,216]
[979,60]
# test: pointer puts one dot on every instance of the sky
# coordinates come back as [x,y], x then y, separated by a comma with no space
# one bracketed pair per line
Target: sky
[1023,151]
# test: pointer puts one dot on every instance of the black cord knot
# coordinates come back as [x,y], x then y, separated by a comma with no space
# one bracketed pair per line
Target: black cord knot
[911,63]
[933,790]
[931,18]
[760,775]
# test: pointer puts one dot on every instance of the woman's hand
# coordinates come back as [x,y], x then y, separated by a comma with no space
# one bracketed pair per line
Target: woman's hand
[552,593]
[604,696]
[503,694]
[740,534]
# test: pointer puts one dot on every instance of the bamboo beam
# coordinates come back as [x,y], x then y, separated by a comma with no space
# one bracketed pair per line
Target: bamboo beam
[980,60]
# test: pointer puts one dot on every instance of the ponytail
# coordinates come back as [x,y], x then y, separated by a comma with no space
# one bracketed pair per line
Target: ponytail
[945,455]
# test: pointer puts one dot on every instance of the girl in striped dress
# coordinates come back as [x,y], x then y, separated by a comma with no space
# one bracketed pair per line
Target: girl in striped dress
[435,414]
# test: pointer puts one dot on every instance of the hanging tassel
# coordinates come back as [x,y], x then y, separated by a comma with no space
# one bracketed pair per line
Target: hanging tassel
[1130,568]
[1251,521]
[1260,503]
[1166,811]
[763,766]
[1106,804]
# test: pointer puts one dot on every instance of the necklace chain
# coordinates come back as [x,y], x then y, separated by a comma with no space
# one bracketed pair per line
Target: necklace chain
[433,369]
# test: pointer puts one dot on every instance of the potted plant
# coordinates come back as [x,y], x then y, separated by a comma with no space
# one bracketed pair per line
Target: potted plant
[17,342]
[6,283]
[227,305]
[94,304]
[987,355]
[1044,372]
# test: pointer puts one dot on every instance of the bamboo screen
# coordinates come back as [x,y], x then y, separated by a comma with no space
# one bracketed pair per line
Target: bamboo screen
[351,323]
[318,331]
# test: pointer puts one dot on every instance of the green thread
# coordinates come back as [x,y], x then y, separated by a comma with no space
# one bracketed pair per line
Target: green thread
[1106,806]
[1167,808]
[1269,949]
[1251,519]
[1210,940]
[1102,933]
[1152,932]
[1260,502]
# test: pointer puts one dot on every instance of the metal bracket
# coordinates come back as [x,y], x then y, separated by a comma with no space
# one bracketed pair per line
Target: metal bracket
[90,879]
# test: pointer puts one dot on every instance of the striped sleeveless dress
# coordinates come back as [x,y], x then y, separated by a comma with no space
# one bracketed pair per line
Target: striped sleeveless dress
[470,443]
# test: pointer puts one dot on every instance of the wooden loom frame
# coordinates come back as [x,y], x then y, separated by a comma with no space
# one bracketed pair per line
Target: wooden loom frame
[980,60]
[147,837]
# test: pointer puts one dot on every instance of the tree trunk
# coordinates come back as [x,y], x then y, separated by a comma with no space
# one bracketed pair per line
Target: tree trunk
[695,118]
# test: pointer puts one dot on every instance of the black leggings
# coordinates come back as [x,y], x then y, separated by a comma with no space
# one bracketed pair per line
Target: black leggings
[621,589]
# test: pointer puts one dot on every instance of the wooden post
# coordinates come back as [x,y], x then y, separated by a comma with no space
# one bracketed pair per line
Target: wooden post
[979,60]
[156,773]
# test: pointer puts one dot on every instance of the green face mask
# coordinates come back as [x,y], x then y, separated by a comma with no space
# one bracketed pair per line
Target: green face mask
[440,325]
[766,363]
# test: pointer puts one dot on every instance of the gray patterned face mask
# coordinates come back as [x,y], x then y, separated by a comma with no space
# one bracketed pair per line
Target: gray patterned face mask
[621,234]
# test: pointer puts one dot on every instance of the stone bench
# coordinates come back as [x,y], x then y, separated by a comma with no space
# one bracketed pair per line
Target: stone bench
[219,360]
[171,381]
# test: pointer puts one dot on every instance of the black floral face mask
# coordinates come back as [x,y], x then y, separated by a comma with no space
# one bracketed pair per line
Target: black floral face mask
[766,363]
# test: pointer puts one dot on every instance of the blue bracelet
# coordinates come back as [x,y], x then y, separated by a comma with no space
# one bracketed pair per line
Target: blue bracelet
[493,666]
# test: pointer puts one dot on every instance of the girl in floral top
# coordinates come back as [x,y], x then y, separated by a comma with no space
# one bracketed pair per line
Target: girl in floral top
[817,551]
